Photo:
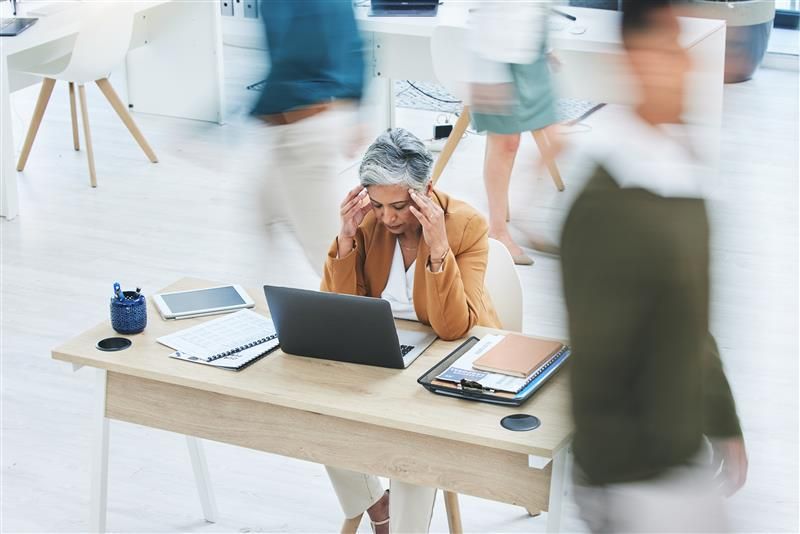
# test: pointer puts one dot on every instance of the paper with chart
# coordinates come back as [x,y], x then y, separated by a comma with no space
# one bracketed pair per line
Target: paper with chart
[462,368]
[233,361]
[244,333]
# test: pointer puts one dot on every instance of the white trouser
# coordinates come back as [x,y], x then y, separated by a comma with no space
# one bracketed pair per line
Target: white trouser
[684,499]
[410,506]
[305,182]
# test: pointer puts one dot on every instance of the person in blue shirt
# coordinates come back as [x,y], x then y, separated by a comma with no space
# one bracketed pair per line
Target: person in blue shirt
[314,85]
[316,55]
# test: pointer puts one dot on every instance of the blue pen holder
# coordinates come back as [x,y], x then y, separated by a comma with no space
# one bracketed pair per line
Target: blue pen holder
[129,316]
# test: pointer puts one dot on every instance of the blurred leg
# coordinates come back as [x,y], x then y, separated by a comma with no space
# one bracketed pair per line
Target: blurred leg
[307,168]
[501,150]
[684,499]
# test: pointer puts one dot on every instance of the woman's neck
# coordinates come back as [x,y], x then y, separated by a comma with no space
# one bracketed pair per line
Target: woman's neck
[410,238]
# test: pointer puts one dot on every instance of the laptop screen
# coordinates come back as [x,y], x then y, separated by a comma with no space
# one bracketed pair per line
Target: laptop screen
[404,4]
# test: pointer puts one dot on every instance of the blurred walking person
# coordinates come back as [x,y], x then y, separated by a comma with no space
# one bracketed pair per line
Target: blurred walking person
[648,389]
[512,93]
[310,97]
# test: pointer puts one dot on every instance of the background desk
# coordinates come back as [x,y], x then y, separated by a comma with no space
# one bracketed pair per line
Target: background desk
[592,65]
[174,67]
[364,418]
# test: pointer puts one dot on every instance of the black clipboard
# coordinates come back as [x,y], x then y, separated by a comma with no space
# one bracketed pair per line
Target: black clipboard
[474,391]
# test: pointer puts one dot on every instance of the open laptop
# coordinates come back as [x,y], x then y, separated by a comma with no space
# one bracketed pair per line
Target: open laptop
[344,328]
[403,8]
[11,27]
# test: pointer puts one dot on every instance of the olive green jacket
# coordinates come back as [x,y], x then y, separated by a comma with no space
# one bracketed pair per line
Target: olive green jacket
[646,380]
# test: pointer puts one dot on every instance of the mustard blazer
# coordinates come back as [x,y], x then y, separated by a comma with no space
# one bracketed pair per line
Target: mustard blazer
[451,301]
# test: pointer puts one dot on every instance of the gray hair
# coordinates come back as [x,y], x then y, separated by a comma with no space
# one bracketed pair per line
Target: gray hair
[397,157]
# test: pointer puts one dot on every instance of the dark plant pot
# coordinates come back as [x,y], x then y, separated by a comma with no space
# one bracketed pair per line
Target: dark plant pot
[748,27]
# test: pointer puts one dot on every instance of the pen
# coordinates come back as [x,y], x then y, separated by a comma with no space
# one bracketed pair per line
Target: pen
[565,15]
[138,293]
[118,291]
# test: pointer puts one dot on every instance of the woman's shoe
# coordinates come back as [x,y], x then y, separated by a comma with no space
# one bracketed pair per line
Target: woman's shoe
[519,259]
[375,524]
[522,259]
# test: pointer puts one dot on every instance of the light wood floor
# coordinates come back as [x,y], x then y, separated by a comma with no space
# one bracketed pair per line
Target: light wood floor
[198,212]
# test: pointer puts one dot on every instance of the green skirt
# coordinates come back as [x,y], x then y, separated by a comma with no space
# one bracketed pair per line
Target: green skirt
[534,106]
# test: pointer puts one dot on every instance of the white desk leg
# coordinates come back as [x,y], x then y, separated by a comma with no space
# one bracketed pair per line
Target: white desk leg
[9,207]
[559,487]
[99,482]
[201,478]
[390,103]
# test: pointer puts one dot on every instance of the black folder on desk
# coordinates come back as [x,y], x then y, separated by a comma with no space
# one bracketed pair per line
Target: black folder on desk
[474,391]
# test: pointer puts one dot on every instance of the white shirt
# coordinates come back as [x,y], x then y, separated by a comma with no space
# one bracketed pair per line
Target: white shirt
[639,155]
[503,33]
[399,289]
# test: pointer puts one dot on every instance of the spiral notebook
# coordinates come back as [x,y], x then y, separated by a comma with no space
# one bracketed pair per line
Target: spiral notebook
[517,355]
[229,342]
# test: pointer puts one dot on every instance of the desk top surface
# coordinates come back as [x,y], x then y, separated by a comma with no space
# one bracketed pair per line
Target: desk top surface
[601,26]
[63,22]
[375,395]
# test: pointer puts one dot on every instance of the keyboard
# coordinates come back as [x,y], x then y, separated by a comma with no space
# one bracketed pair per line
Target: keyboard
[405,349]
[15,26]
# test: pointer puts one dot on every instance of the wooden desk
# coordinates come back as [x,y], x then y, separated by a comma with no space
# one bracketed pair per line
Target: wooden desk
[174,66]
[368,419]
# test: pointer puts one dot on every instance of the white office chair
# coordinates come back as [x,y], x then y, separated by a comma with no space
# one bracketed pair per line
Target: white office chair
[451,65]
[101,45]
[504,287]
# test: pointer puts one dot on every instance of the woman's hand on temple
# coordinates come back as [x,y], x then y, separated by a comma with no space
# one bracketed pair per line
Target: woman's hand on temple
[431,217]
[352,211]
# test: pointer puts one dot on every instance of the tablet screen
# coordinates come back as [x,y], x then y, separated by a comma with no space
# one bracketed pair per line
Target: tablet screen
[203,299]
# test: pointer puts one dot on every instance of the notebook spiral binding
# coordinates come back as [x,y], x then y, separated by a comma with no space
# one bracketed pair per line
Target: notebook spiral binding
[241,348]
[547,364]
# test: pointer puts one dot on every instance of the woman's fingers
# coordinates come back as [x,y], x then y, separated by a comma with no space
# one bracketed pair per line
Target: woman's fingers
[426,206]
[423,219]
[355,201]
[420,200]
[351,212]
[352,194]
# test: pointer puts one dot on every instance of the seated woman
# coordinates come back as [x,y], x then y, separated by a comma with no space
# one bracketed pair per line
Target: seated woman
[426,254]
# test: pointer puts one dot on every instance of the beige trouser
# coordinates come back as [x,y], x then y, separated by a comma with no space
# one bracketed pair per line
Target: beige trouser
[410,506]
[305,182]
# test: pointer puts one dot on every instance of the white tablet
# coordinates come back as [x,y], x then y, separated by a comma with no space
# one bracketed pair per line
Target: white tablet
[196,302]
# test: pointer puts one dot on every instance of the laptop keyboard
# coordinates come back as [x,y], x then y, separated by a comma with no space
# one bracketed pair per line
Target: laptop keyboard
[405,349]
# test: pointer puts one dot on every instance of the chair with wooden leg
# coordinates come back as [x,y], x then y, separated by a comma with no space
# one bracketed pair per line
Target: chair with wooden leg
[451,64]
[101,45]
